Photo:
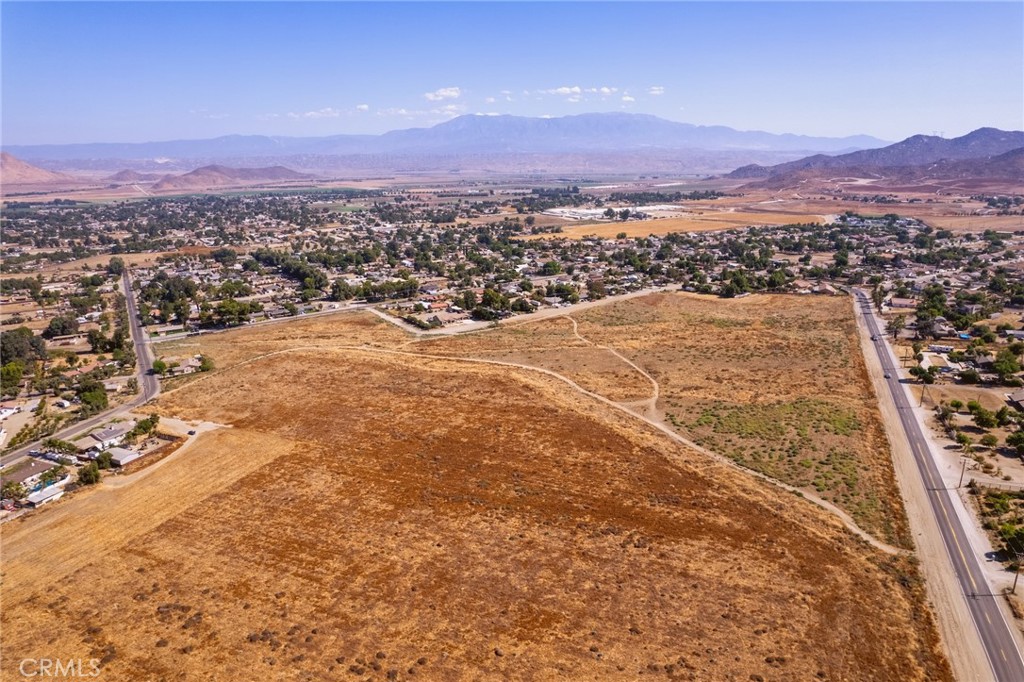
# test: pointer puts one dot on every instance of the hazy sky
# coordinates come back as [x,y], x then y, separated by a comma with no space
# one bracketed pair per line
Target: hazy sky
[88,72]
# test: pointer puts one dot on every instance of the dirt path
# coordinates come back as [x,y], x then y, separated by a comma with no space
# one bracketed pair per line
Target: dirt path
[842,516]
[963,646]
[648,407]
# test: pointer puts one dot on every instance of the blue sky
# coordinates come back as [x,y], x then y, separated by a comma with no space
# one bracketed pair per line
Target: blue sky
[88,72]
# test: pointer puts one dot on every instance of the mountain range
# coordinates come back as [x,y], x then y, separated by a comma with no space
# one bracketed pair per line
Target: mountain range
[471,134]
[919,150]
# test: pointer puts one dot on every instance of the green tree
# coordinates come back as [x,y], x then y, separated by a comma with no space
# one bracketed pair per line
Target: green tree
[1006,363]
[896,325]
[984,419]
[159,366]
[89,474]
[12,490]
[1016,441]
[62,325]
[116,266]
[10,378]
[21,344]
[97,341]
[989,440]
[552,267]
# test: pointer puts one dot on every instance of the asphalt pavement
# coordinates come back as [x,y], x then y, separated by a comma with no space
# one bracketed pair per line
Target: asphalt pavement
[982,601]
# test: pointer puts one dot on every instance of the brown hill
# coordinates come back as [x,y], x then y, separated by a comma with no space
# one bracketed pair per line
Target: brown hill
[14,171]
[223,176]
[1003,170]
[919,150]
[129,176]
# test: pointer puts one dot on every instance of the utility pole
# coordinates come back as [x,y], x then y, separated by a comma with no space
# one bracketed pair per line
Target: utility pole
[963,468]
[1016,573]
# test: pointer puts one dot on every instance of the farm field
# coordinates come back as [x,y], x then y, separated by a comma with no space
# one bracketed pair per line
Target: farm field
[374,513]
[702,220]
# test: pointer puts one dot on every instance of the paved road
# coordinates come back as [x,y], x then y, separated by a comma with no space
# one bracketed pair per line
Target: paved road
[149,385]
[1000,645]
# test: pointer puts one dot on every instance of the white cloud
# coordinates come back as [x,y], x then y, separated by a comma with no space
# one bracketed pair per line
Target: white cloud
[564,90]
[627,98]
[489,100]
[326,112]
[362,107]
[439,113]
[656,90]
[442,94]
[604,90]
[507,94]
[574,99]
[487,113]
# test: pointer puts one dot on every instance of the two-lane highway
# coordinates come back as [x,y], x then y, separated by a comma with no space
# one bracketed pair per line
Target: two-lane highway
[996,636]
[149,383]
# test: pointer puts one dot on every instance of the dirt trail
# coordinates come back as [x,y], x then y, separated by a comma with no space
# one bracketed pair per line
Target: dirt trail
[842,516]
[648,407]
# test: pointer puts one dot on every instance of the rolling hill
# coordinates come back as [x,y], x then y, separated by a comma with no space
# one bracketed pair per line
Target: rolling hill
[131,176]
[223,176]
[14,171]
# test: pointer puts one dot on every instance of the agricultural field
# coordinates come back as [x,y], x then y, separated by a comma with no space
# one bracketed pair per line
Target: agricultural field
[698,221]
[372,511]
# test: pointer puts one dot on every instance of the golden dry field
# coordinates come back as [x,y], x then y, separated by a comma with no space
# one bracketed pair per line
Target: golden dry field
[375,513]
[704,220]
[775,382]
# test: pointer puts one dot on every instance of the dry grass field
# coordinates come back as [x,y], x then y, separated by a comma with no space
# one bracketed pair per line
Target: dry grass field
[371,514]
[708,219]
[777,383]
